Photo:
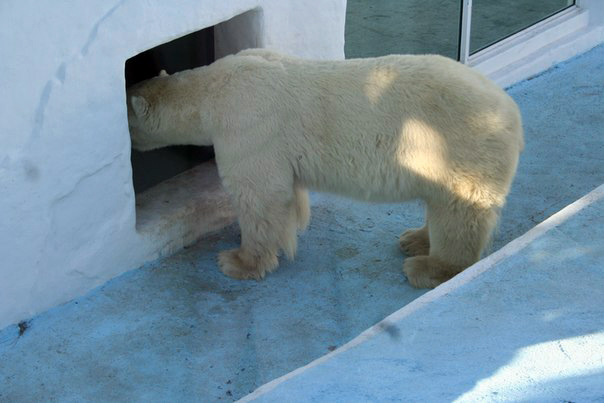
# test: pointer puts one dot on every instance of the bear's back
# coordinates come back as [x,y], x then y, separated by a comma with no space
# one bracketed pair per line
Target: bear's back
[411,112]
[414,83]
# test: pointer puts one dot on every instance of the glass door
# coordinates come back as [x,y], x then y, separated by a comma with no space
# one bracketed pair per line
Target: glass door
[382,27]
[494,20]
[453,28]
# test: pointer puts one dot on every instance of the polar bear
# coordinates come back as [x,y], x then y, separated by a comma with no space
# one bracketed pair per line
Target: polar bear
[386,129]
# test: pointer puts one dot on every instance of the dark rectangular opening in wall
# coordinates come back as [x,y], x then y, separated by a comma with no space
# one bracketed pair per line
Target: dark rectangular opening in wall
[190,51]
[178,195]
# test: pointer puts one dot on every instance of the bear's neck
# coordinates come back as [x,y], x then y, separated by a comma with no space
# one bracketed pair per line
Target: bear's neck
[186,114]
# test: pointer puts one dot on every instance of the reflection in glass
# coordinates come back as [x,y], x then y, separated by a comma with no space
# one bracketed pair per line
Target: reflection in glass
[381,27]
[494,20]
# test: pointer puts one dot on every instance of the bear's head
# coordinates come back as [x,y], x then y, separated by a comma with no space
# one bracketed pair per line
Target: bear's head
[164,111]
[144,114]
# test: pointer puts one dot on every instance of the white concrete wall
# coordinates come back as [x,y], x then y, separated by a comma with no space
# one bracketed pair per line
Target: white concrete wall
[67,210]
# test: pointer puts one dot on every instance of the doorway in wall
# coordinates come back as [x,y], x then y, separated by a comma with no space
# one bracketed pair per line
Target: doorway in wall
[177,189]
[190,51]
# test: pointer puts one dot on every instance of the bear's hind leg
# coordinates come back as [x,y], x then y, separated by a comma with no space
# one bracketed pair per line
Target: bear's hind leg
[267,215]
[416,242]
[458,234]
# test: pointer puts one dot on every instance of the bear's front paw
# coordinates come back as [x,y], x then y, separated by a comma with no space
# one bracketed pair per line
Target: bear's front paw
[415,242]
[428,272]
[236,264]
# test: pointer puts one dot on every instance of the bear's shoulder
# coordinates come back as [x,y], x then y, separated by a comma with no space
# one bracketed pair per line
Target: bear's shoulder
[266,54]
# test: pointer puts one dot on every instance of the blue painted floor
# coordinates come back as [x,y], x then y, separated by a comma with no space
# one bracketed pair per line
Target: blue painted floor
[526,324]
[178,330]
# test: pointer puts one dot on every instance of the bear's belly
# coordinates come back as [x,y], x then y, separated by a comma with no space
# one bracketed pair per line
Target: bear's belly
[368,182]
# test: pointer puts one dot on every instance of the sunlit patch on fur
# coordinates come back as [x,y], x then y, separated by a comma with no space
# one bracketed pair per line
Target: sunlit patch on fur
[422,150]
[378,81]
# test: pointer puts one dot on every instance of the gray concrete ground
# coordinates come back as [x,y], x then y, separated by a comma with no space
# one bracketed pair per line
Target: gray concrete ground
[178,330]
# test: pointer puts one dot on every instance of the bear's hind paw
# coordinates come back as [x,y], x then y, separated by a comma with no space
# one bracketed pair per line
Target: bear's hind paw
[415,242]
[428,272]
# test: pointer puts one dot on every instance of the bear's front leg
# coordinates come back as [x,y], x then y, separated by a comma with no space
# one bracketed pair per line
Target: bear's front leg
[302,207]
[263,233]
[268,214]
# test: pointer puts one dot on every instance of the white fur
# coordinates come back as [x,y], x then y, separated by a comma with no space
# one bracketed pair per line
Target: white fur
[386,129]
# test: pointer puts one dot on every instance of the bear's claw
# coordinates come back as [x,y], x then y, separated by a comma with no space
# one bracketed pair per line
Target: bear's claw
[415,242]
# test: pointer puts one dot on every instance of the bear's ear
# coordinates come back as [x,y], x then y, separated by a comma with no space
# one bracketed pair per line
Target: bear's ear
[163,73]
[140,106]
